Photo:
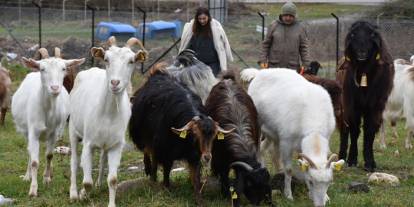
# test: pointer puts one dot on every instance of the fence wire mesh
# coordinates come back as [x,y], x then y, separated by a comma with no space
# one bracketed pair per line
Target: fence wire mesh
[71,30]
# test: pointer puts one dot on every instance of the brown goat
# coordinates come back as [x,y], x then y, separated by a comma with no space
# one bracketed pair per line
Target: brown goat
[5,93]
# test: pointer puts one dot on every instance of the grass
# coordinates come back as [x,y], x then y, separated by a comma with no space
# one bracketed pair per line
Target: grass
[13,161]
[13,153]
[13,156]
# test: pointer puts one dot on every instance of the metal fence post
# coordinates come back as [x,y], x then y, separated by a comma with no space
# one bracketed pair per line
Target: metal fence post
[143,32]
[39,7]
[92,29]
[337,39]
[263,24]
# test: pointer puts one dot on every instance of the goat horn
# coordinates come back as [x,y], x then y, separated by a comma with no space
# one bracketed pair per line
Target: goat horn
[332,158]
[224,131]
[43,53]
[112,41]
[134,41]
[241,164]
[57,53]
[185,127]
[311,163]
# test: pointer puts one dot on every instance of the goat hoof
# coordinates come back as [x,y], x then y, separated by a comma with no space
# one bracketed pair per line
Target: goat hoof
[33,192]
[352,163]
[370,167]
[83,194]
[408,146]
[87,186]
[47,180]
[98,184]
[289,196]
[73,195]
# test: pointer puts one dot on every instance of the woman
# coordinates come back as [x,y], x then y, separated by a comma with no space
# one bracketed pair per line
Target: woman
[206,37]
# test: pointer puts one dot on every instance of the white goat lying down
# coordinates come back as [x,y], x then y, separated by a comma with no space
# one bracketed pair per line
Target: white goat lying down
[196,75]
[99,114]
[296,115]
[400,102]
[40,107]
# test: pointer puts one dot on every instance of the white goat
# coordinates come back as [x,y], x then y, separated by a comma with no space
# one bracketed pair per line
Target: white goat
[296,115]
[40,106]
[100,112]
[400,102]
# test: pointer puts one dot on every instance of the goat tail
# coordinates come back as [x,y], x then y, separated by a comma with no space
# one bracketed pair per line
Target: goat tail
[231,74]
[248,74]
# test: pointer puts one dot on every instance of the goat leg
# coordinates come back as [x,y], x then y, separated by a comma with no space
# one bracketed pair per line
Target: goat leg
[195,179]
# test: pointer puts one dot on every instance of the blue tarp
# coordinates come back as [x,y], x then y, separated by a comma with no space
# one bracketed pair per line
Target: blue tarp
[152,29]
[104,30]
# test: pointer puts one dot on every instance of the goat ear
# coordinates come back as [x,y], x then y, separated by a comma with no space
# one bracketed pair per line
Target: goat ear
[180,132]
[141,56]
[98,52]
[337,166]
[32,64]
[74,62]
[304,165]
[377,39]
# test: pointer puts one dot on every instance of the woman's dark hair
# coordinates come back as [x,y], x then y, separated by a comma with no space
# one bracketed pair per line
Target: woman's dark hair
[198,29]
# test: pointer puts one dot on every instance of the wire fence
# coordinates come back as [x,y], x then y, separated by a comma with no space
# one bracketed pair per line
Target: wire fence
[71,30]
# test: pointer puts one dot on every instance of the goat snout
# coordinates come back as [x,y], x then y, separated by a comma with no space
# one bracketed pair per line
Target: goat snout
[55,88]
[206,158]
[115,82]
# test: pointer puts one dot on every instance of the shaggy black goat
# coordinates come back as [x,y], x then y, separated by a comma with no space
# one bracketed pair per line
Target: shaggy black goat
[367,79]
[233,108]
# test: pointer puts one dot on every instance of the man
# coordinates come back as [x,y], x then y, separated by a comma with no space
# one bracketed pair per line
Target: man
[286,42]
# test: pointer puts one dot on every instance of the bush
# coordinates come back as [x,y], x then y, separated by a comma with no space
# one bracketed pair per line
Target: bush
[398,9]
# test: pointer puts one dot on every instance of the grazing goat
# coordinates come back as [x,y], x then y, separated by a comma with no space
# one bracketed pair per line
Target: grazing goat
[169,123]
[5,93]
[366,77]
[400,102]
[332,86]
[99,114]
[296,115]
[232,107]
[196,75]
[40,107]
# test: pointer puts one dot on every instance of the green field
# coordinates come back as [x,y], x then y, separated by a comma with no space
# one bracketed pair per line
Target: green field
[13,161]
[13,152]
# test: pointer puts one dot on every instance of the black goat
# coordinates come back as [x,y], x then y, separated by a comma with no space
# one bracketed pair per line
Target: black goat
[233,108]
[313,68]
[367,79]
[169,123]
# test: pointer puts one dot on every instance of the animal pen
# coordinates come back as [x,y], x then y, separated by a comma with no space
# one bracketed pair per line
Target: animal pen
[71,30]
